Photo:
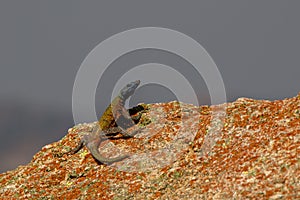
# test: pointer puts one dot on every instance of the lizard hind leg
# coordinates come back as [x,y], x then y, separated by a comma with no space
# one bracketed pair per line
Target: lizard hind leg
[131,131]
[78,147]
[92,143]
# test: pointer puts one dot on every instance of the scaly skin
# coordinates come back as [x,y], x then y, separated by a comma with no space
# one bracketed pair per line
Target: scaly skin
[115,113]
[92,141]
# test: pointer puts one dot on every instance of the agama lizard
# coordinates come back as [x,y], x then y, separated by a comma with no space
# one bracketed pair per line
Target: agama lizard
[115,113]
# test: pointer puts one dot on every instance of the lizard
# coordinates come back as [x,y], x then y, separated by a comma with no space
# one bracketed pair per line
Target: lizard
[115,113]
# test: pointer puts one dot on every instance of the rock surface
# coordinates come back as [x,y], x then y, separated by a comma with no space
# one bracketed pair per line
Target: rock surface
[245,149]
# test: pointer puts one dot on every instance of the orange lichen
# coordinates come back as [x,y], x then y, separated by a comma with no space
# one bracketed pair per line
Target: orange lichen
[256,155]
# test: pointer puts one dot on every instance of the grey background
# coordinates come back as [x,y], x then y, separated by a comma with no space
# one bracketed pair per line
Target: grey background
[255,45]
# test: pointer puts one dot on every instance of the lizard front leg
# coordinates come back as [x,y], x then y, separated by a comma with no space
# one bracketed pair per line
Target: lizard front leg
[128,133]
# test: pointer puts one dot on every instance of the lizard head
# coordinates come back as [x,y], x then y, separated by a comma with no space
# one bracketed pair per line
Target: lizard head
[129,89]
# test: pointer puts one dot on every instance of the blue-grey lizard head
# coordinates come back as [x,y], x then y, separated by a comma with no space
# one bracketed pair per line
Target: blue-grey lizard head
[129,89]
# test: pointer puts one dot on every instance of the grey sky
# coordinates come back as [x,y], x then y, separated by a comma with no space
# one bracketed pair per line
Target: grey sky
[255,45]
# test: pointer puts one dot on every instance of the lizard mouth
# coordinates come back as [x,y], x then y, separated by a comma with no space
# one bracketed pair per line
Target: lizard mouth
[134,84]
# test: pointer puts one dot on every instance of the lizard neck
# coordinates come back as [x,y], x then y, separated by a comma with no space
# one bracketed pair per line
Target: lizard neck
[122,99]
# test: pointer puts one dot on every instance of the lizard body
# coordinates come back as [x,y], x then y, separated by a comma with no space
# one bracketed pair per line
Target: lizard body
[115,113]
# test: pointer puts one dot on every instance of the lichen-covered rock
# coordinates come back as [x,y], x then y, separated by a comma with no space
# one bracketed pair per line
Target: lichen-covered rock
[245,149]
